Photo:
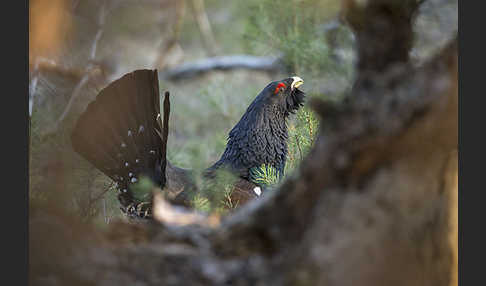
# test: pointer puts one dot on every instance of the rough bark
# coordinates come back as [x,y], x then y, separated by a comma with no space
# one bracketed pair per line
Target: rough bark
[384,34]
[374,203]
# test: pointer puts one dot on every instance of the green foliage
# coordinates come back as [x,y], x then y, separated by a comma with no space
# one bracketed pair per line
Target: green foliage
[264,175]
[302,134]
[215,194]
[293,28]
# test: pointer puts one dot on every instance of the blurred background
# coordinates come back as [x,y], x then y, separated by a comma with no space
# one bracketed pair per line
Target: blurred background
[78,47]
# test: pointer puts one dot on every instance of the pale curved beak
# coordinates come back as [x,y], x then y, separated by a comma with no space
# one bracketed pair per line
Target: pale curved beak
[297,81]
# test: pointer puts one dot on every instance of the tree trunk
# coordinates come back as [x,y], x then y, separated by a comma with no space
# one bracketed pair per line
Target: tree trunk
[374,203]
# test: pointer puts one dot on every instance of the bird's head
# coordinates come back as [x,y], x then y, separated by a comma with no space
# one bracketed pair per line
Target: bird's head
[285,93]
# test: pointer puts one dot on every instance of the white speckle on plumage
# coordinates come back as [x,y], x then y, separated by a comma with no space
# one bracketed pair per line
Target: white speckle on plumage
[126,164]
[130,174]
[137,161]
[123,145]
[152,152]
[141,129]
[129,132]
[133,180]
[124,190]
[257,191]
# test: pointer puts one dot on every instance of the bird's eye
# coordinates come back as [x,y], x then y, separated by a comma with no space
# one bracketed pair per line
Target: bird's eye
[279,86]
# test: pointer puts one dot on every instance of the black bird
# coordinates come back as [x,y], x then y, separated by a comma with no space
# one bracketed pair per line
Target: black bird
[259,139]
[120,134]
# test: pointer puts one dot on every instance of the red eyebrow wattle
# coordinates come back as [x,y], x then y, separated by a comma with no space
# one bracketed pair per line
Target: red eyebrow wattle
[280,85]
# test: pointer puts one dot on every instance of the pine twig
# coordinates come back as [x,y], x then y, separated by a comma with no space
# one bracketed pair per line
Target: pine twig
[298,146]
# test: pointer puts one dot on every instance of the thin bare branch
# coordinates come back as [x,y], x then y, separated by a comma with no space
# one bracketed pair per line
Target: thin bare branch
[193,69]
[92,201]
[168,47]
[33,86]
[87,76]
[204,26]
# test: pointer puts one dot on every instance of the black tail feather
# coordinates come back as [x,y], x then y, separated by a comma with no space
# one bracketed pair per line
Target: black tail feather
[118,132]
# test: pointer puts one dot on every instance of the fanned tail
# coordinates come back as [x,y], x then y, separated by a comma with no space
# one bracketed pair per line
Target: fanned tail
[119,132]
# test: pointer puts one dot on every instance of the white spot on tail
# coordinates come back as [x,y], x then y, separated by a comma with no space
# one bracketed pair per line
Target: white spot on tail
[133,180]
[123,145]
[129,132]
[141,129]
[126,164]
[257,191]
[136,160]
[152,152]
[130,174]
[124,190]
